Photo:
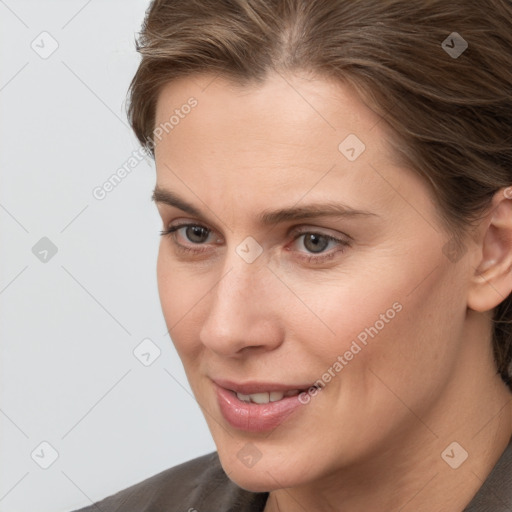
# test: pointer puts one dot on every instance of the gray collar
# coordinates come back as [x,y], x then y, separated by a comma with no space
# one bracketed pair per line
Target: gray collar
[495,495]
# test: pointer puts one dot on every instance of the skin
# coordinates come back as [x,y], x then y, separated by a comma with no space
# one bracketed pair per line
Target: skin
[372,438]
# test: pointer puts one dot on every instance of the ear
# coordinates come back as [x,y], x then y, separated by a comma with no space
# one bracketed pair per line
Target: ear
[492,279]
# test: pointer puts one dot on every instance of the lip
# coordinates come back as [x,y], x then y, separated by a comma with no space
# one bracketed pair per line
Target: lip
[253,417]
[248,388]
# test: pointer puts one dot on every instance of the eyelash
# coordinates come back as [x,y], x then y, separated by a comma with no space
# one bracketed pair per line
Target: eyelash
[296,234]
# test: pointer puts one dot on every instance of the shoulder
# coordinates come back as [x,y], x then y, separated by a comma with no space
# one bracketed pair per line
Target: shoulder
[200,484]
[495,495]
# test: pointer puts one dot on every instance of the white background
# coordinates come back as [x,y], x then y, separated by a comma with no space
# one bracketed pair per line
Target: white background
[68,326]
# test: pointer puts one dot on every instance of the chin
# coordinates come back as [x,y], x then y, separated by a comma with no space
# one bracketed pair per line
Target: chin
[265,475]
[258,480]
[255,484]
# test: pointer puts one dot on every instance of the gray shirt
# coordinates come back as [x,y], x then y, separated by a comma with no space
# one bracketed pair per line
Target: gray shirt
[201,485]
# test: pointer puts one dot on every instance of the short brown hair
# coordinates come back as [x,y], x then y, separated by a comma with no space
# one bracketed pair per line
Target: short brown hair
[451,111]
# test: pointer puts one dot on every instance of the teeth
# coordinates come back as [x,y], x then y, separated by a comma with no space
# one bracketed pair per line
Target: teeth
[260,398]
[276,395]
[266,397]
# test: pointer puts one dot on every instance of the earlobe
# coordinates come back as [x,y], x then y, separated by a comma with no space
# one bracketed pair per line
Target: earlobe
[492,277]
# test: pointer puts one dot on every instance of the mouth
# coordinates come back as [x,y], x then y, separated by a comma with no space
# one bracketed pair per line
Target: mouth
[263,392]
[258,406]
[265,397]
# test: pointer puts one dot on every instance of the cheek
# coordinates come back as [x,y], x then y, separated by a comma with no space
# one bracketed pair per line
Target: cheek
[168,288]
[344,311]
[401,324]
[180,295]
[413,356]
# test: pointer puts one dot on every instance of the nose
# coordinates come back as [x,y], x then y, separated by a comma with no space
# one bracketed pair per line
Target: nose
[242,311]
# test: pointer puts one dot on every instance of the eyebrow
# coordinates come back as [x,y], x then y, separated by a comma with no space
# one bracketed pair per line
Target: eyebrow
[269,217]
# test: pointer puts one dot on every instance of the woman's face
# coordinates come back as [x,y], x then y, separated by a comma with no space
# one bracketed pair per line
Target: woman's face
[302,255]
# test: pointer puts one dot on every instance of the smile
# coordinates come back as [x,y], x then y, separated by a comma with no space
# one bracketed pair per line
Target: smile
[258,407]
[266,397]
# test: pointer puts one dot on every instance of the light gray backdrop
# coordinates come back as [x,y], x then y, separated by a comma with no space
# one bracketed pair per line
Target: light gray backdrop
[85,409]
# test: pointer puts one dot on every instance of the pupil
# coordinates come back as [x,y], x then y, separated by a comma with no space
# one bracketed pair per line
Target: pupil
[315,243]
[197,234]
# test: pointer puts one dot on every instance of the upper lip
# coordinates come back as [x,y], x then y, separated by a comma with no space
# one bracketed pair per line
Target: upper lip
[251,387]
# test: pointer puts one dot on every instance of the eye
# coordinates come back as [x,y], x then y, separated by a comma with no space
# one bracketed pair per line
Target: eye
[308,245]
[195,234]
[314,242]
[317,247]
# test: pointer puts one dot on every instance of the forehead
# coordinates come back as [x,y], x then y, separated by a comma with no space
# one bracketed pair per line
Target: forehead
[304,104]
[288,139]
[283,116]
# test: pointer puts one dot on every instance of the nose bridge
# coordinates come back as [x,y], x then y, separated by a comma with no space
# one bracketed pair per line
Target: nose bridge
[239,290]
[239,312]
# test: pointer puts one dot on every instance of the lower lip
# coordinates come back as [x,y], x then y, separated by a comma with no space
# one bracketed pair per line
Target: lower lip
[255,417]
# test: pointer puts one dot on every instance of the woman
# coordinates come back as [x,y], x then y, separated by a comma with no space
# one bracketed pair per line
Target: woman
[335,267]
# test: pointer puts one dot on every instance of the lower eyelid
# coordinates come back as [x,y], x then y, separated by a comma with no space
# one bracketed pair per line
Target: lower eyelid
[190,248]
[323,256]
